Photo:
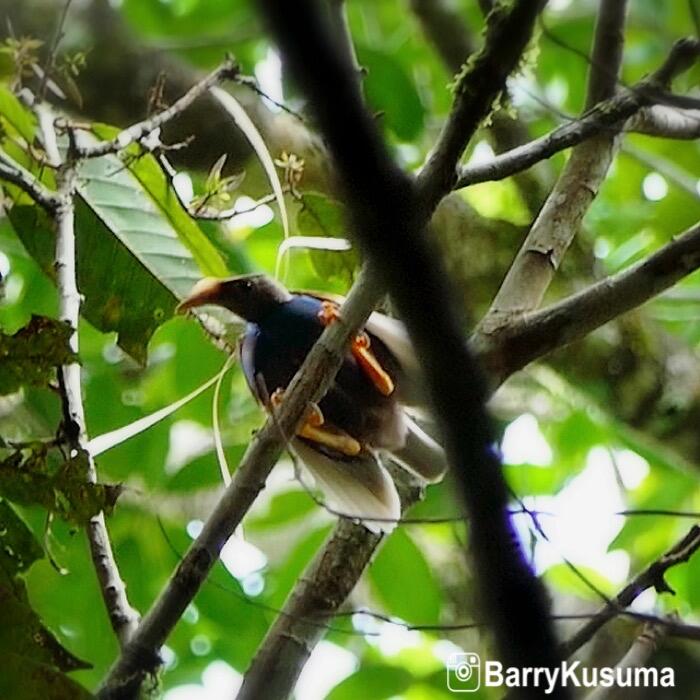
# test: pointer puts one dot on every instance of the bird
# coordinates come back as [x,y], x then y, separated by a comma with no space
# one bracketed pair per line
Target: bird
[366,415]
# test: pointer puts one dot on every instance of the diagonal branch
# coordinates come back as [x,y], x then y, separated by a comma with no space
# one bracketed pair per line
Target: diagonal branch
[481,80]
[557,223]
[13,172]
[447,31]
[512,347]
[607,116]
[651,577]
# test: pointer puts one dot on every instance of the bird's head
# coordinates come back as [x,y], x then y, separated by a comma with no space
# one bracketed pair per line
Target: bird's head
[251,297]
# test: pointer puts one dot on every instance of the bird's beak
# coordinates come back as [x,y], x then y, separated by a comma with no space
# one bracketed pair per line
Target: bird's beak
[206,291]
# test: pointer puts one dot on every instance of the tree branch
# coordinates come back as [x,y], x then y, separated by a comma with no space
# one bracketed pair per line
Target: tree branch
[122,616]
[136,132]
[446,30]
[388,220]
[478,85]
[558,221]
[667,122]
[651,577]
[637,656]
[27,182]
[318,595]
[608,116]
[514,345]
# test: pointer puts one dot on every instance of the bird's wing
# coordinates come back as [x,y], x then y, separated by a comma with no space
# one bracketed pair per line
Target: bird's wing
[393,334]
[358,487]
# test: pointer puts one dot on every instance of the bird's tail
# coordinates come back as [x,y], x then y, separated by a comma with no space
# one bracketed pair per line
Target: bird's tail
[421,454]
[358,487]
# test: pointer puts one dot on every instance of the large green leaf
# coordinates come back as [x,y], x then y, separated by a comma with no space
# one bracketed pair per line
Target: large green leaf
[392,92]
[18,546]
[145,169]
[374,682]
[132,265]
[404,581]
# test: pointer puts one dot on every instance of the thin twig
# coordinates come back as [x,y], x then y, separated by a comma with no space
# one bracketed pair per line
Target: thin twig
[13,172]
[651,577]
[608,115]
[136,132]
[51,58]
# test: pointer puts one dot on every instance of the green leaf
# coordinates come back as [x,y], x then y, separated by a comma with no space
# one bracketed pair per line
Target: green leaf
[565,580]
[390,90]
[284,508]
[18,546]
[376,682]
[404,581]
[31,355]
[14,114]
[23,633]
[121,293]
[130,264]
[28,477]
[25,679]
[145,169]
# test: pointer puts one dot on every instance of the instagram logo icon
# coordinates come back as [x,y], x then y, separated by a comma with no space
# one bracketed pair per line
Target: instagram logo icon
[464,673]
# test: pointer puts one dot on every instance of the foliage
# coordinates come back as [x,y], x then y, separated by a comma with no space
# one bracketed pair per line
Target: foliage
[615,417]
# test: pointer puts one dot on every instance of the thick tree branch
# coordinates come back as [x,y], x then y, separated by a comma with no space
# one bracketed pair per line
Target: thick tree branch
[651,577]
[321,591]
[476,88]
[557,223]
[522,340]
[388,219]
[446,30]
[122,616]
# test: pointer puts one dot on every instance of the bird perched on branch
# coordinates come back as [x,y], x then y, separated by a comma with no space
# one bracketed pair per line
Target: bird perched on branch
[363,415]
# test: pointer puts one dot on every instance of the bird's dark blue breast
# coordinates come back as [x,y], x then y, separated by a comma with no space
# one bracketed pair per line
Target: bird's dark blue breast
[282,341]
[274,349]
